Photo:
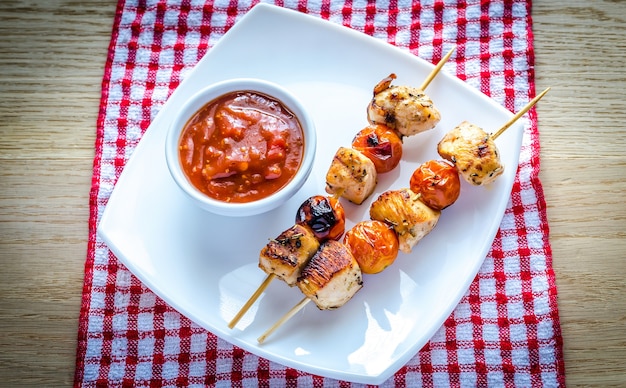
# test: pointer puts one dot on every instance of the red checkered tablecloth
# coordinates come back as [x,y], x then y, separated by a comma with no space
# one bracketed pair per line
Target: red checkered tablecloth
[504,332]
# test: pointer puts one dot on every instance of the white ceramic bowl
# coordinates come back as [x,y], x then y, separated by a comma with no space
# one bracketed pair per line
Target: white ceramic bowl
[210,93]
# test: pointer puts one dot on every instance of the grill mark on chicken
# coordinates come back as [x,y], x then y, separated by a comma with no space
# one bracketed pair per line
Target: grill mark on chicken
[331,277]
[285,255]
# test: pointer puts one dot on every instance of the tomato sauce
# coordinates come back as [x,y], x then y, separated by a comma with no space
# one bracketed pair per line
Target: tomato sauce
[241,147]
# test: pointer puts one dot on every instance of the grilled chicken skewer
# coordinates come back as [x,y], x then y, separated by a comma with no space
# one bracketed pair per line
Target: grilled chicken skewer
[330,279]
[401,110]
[414,212]
[474,152]
[318,219]
[333,275]
[400,219]
[282,257]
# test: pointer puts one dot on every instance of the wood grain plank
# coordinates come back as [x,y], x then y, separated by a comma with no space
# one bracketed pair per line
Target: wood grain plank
[51,67]
[43,221]
[579,48]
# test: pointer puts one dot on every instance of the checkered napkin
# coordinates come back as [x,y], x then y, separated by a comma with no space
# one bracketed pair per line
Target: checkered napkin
[504,332]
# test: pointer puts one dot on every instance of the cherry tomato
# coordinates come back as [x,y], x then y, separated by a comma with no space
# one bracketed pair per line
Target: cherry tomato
[437,182]
[381,145]
[373,244]
[325,216]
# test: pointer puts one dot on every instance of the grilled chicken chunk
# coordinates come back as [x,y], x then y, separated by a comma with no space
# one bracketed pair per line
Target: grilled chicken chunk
[409,217]
[406,109]
[287,254]
[474,153]
[351,175]
[331,277]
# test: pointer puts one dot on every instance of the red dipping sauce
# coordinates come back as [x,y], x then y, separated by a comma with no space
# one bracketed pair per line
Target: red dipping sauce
[241,147]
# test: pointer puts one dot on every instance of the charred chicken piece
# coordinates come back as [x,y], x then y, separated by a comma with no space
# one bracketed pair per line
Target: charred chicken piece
[410,218]
[287,254]
[473,152]
[331,277]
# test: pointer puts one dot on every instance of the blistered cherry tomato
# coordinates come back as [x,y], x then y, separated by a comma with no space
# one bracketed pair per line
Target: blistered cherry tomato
[373,244]
[437,182]
[381,145]
[325,216]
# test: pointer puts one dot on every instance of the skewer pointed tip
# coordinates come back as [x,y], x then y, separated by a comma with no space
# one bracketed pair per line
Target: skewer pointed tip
[520,113]
[437,68]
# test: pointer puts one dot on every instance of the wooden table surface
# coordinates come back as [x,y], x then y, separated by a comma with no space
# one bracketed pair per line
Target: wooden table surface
[52,55]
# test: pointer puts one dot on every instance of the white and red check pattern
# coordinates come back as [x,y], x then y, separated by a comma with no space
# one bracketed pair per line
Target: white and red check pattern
[504,333]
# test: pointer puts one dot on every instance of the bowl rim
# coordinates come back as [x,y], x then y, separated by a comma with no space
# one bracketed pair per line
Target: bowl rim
[213,91]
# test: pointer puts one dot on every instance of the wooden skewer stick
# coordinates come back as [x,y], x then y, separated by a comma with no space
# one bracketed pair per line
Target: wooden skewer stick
[252,299]
[519,114]
[437,68]
[284,319]
[261,288]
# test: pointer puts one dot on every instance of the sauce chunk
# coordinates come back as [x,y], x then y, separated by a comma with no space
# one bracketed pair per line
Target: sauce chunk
[241,147]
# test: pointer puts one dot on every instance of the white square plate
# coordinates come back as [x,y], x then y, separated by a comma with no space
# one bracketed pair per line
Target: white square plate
[205,266]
